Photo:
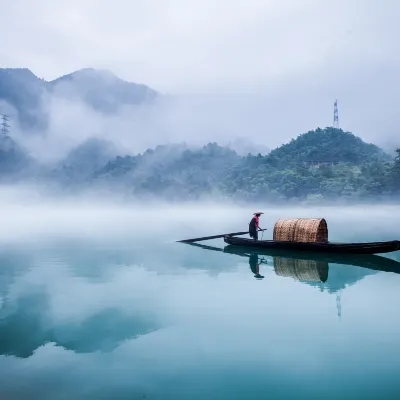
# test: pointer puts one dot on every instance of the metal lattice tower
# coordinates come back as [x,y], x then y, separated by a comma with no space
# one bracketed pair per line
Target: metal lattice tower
[4,124]
[335,115]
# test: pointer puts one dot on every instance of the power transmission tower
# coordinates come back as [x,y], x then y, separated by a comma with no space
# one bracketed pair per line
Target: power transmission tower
[4,124]
[335,115]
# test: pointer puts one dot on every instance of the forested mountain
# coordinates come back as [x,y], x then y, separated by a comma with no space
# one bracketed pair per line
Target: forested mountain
[305,168]
[101,90]
[23,91]
[83,161]
[302,170]
[170,171]
[324,164]
[174,172]
[327,145]
[14,161]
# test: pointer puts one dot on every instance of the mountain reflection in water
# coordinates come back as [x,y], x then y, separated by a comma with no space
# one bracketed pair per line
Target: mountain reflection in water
[26,326]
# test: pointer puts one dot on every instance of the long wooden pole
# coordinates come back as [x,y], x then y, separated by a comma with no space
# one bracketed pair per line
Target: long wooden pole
[212,237]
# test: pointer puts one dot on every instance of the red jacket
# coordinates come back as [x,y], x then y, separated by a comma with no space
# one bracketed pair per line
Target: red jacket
[257,220]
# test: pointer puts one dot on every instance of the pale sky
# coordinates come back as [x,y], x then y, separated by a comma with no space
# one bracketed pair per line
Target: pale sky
[190,45]
[297,54]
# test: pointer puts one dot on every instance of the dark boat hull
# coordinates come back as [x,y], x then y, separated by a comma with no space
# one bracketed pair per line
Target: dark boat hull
[346,248]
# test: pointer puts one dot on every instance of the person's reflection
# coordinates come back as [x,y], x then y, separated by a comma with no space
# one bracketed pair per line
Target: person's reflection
[255,265]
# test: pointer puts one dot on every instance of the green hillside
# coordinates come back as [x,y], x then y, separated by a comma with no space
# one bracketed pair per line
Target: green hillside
[328,145]
[348,168]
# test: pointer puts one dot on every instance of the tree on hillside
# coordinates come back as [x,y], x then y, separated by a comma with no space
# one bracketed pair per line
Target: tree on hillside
[394,175]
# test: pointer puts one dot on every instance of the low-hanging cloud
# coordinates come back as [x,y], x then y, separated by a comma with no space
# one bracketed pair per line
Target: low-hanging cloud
[194,120]
[265,71]
[249,123]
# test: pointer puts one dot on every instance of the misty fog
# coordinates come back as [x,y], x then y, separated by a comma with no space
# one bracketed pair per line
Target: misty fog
[254,78]
[29,215]
[251,81]
[249,123]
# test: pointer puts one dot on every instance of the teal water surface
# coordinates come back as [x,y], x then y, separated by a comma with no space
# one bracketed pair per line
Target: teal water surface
[130,314]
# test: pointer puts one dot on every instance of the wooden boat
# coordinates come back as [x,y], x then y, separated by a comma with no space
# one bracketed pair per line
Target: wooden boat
[306,235]
[326,247]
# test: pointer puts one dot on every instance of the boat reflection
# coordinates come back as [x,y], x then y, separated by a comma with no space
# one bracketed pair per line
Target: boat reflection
[314,268]
[302,270]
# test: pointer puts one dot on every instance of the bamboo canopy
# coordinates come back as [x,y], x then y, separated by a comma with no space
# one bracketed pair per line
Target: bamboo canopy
[301,270]
[301,230]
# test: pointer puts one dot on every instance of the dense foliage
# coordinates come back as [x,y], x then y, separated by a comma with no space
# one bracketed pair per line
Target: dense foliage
[304,169]
[320,165]
[327,145]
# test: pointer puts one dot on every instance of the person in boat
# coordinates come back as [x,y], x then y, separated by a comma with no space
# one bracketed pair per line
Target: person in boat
[254,225]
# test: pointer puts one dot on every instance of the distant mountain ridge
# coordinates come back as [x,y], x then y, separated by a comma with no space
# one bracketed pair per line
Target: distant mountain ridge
[355,170]
[100,89]
[351,167]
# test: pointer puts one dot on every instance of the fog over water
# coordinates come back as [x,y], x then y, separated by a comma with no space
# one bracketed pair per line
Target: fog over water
[29,213]
[97,300]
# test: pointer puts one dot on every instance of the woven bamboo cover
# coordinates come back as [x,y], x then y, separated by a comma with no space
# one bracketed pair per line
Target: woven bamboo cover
[301,230]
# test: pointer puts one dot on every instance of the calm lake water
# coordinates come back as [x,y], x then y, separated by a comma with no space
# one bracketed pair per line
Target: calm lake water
[101,303]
